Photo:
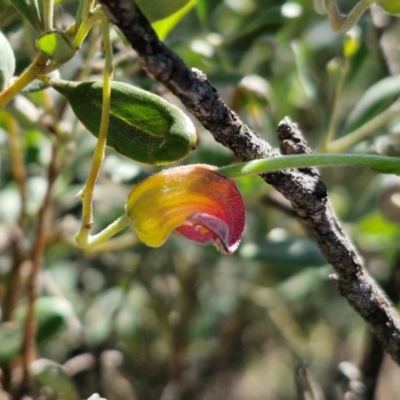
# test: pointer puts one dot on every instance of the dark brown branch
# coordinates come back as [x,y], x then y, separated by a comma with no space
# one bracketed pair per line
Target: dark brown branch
[374,355]
[302,188]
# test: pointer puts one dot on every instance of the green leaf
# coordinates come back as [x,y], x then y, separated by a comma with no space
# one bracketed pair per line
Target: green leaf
[164,27]
[303,284]
[11,341]
[52,314]
[154,10]
[143,126]
[285,258]
[52,375]
[56,46]
[7,62]
[37,86]
[29,9]
[385,169]
[390,6]
[100,318]
[205,9]
[269,19]
[378,97]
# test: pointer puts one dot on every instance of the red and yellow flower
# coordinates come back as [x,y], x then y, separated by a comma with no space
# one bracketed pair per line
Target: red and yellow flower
[194,200]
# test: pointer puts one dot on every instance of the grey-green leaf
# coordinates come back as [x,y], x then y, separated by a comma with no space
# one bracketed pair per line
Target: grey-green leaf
[37,86]
[52,315]
[7,62]
[378,97]
[11,341]
[49,374]
[29,9]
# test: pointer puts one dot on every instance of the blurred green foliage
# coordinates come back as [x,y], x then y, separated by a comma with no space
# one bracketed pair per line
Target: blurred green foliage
[183,322]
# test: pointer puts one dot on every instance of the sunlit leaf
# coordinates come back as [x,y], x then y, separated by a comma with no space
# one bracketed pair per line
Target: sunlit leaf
[155,10]
[390,6]
[165,26]
[56,46]
[7,62]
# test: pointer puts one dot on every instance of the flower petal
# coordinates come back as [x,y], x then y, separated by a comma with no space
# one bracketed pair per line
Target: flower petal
[196,200]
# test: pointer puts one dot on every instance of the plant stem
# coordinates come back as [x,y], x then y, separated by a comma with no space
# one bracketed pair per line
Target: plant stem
[340,22]
[19,174]
[17,164]
[89,242]
[105,244]
[361,133]
[48,14]
[381,164]
[23,80]
[86,25]
[83,11]
[334,117]
[29,348]
[83,238]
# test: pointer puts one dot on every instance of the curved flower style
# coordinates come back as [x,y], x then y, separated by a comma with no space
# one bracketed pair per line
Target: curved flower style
[194,200]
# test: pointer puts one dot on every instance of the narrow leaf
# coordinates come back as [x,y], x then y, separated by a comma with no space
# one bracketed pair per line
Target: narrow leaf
[154,10]
[378,97]
[29,9]
[165,26]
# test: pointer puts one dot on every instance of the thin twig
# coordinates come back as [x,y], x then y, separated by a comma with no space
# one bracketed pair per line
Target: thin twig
[19,175]
[305,191]
[16,246]
[29,348]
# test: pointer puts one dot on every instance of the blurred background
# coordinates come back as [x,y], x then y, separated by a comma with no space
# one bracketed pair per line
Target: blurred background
[183,321]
